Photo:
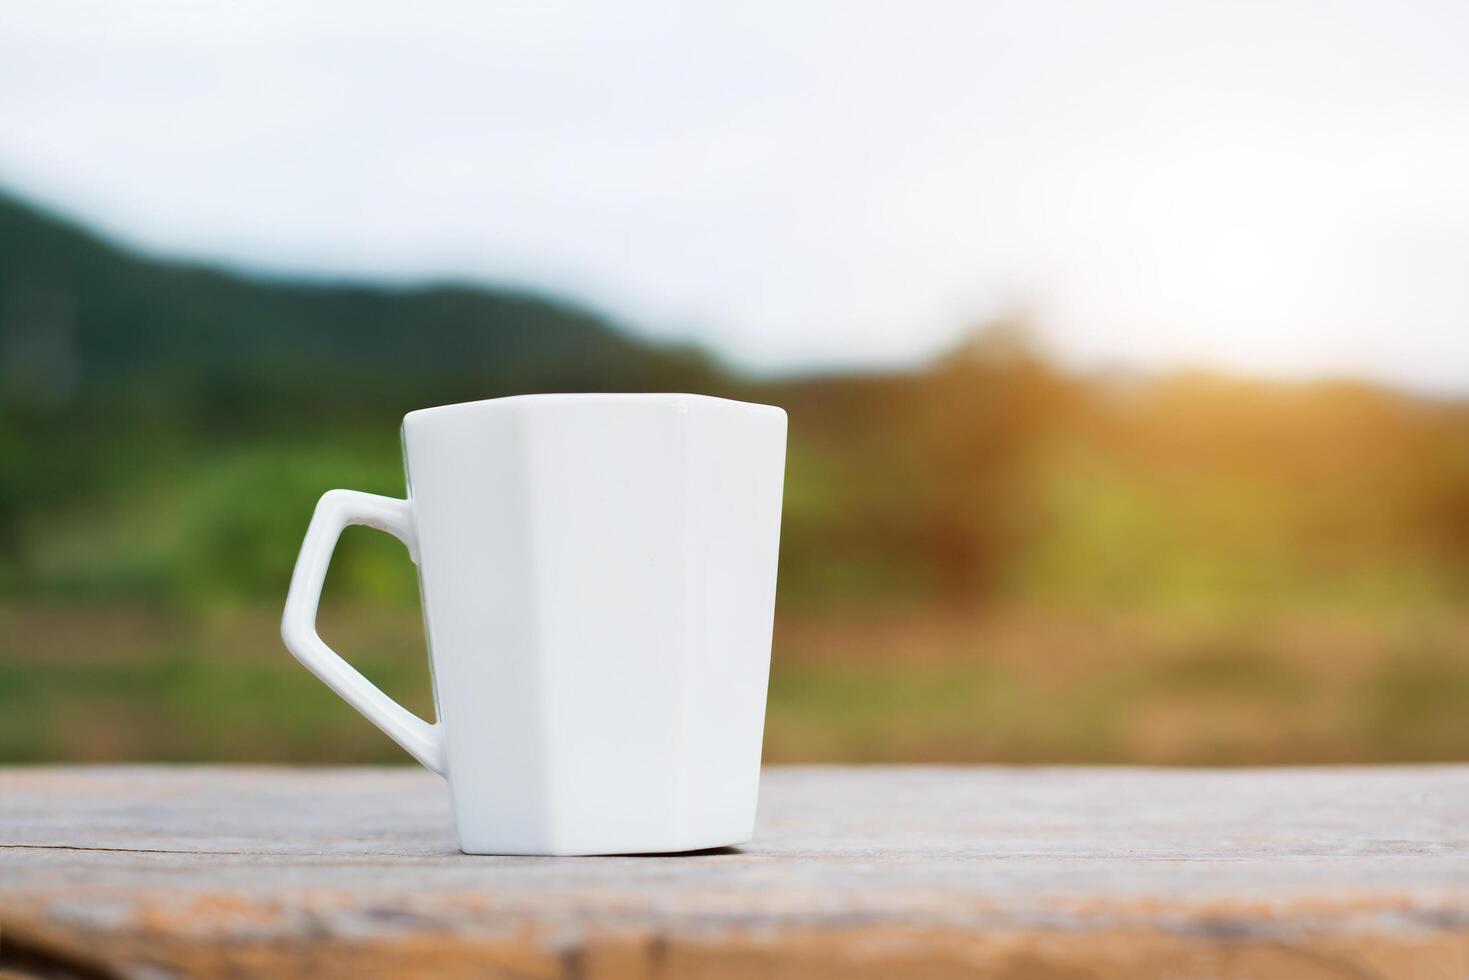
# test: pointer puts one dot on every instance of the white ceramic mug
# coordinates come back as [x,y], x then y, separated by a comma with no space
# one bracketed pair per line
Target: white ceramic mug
[597,575]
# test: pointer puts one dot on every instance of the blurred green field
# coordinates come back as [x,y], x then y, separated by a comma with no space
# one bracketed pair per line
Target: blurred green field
[984,558]
[127,683]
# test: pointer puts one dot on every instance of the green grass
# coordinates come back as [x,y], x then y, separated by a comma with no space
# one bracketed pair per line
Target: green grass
[79,682]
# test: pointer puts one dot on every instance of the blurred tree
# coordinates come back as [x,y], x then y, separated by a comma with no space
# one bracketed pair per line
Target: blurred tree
[165,428]
[976,428]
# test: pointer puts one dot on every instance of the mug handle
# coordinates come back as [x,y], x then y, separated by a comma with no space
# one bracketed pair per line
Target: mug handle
[337,510]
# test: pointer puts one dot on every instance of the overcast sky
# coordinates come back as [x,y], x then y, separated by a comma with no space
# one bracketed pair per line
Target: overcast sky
[1276,187]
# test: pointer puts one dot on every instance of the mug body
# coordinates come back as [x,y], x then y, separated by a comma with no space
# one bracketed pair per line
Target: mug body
[598,584]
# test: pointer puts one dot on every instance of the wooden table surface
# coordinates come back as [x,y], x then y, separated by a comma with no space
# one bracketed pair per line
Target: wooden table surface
[1016,873]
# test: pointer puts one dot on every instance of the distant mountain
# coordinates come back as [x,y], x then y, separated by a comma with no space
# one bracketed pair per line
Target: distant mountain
[87,326]
[165,429]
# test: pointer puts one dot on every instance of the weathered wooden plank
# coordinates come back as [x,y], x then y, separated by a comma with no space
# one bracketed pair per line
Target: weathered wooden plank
[885,871]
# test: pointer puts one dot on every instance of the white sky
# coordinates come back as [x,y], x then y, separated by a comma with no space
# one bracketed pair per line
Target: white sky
[1277,187]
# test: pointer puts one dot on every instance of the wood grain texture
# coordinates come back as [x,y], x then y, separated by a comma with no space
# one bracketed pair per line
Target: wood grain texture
[1022,874]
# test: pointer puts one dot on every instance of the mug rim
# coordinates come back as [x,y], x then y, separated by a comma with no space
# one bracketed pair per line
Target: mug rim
[601,399]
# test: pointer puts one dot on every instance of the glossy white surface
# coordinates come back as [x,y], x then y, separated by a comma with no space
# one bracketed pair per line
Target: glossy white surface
[598,579]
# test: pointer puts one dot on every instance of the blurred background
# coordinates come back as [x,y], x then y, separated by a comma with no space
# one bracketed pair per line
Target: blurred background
[1125,346]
